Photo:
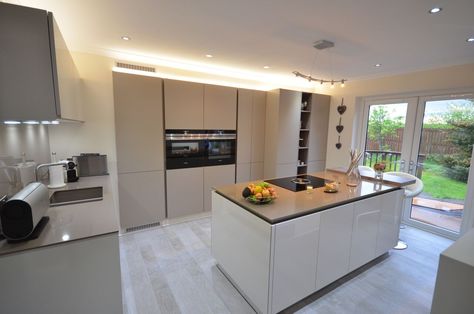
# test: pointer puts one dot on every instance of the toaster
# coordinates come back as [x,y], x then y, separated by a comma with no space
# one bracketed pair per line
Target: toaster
[91,164]
[23,212]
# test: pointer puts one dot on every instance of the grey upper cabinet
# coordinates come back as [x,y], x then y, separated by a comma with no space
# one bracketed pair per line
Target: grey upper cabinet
[184,105]
[138,122]
[220,107]
[282,124]
[319,127]
[38,79]
[244,127]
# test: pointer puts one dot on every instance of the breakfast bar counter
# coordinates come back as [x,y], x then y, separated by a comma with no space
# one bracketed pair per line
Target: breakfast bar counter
[279,253]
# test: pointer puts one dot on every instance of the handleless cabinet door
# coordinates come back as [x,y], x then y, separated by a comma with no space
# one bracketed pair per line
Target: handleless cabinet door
[183,105]
[244,126]
[184,192]
[243,172]
[288,127]
[258,126]
[138,104]
[256,171]
[214,177]
[389,224]
[142,198]
[364,231]
[220,107]
[295,257]
[334,244]
[318,127]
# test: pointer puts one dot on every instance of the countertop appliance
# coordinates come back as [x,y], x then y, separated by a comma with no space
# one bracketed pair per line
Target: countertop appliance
[199,148]
[71,172]
[298,183]
[22,216]
[91,164]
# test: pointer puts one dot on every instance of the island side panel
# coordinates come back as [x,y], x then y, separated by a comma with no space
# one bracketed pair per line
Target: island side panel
[241,246]
[81,276]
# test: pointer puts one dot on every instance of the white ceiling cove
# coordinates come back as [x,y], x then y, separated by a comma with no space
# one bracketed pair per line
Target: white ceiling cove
[246,35]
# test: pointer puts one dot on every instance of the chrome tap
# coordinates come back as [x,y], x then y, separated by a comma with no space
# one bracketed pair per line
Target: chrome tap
[61,163]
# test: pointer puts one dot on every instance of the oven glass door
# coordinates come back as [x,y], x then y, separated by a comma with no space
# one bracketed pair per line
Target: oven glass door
[221,152]
[186,153]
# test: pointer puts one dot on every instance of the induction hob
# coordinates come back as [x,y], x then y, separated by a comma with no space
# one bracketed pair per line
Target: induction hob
[287,183]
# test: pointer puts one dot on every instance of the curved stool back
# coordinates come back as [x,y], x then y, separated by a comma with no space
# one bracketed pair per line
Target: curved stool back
[411,190]
[367,170]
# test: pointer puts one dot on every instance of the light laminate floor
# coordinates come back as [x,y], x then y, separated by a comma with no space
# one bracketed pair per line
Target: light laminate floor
[170,270]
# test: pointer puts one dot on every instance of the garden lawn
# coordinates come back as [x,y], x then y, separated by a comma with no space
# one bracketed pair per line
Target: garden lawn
[442,187]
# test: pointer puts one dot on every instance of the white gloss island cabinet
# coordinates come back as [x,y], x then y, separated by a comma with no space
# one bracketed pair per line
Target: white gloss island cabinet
[250,135]
[195,106]
[276,265]
[140,152]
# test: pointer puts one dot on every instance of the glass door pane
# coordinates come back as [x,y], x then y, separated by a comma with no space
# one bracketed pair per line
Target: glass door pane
[386,129]
[443,159]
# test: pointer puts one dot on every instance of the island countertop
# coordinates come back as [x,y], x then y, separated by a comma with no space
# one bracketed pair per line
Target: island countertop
[291,204]
[75,221]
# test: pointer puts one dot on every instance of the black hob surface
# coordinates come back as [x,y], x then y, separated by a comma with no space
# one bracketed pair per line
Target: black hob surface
[287,183]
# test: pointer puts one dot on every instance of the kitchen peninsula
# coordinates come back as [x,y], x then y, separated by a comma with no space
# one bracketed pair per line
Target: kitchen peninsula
[279,253]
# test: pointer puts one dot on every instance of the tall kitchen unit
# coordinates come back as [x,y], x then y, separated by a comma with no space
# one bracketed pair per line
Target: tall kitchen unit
[140,153]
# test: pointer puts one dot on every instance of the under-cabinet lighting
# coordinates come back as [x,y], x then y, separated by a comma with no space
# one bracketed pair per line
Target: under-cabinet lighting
[31,122]
[45,122]
[12,122]
[55,122]
[65,237]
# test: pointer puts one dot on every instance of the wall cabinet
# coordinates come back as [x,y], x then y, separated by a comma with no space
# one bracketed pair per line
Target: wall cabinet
[184,105]
[215,176]
[250,134]
[38,78]
[199,106]
[334,244]
[139,139]
[184,192]
[220,107]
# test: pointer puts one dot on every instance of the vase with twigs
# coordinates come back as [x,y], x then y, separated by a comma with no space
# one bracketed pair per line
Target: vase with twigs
[352,173]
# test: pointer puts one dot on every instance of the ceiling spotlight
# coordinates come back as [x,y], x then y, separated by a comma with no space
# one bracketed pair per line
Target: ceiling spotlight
[266,67]
[126,38]
[209,56]
[343,83]
[435,10]
[470,40]
[332,84]
[378,65]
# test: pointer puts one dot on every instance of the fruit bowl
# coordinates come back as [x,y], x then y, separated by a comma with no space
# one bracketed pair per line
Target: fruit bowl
[259,201]
[259,193]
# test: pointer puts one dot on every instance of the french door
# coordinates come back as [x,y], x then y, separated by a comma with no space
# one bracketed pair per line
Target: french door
[431,138]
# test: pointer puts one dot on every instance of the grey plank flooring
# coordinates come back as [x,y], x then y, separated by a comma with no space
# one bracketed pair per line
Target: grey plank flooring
[171,270]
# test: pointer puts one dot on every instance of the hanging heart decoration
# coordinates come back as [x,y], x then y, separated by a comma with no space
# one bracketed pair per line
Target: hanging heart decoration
[338,145]
[339,128]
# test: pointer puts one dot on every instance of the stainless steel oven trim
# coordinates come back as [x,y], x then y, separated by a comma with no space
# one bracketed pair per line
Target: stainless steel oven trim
[187,137]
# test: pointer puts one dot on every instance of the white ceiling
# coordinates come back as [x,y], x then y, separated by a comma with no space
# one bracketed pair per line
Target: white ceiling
[248,34]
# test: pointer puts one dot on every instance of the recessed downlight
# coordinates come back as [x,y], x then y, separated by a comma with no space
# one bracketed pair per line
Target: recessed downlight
[435,10]
[11,122]
[470,40]
[209,56]
[126,38]
[266,67]
[378,65]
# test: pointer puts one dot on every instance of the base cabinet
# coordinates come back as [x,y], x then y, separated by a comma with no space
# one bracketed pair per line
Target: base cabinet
[215,176]
[305,253]
[184,192]
[141,198]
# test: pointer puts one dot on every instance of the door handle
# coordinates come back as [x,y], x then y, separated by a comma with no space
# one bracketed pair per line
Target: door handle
[402,164]
[411,165]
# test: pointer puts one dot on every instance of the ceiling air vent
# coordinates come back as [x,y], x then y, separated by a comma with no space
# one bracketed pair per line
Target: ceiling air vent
[135,67]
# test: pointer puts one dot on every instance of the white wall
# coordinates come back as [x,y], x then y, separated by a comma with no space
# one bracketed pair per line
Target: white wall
[438,81]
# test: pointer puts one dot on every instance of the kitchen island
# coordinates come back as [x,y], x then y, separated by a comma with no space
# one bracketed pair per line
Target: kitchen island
[73,266]
[279,253]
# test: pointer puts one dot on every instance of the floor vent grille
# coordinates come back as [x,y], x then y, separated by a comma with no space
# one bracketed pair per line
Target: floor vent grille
[135,67]
[138,228]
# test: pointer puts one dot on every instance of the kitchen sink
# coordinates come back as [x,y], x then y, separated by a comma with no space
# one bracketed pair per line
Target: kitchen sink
[76,196]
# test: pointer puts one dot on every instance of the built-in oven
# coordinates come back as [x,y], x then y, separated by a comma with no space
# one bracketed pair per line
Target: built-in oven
[199,148]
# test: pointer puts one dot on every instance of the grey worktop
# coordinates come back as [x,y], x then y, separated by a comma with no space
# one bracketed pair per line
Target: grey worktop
[291,204]
[76,221]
